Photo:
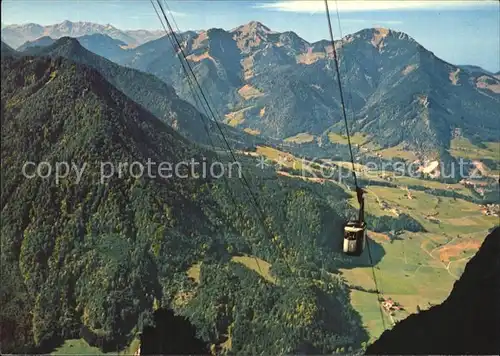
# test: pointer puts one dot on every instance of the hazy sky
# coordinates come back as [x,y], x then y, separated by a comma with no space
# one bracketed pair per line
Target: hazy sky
[460,32]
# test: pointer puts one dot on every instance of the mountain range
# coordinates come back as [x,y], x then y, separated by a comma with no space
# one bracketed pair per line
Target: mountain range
[16,35]
[398,94]
[278,84]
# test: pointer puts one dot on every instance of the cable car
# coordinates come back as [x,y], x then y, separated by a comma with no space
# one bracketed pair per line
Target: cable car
[354,238]
[355,230]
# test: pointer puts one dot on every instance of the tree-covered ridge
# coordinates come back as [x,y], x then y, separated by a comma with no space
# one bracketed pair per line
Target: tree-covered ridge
[7,50]
[39,42]
[84,252]
[101,255]
[148,91]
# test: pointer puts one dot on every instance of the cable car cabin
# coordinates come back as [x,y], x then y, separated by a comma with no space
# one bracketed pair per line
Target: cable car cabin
[354,238]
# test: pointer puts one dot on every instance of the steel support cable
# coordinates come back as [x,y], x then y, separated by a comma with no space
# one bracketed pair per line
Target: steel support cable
[196,96]
[349,92]
[194,93]
[210,102]
[197,100]
[189,71]
[377,290]
[341,91]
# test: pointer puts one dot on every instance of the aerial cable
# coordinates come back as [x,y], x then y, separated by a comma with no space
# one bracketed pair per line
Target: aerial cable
[377,290]
[238,209]
[179,31]
[349,93]
[341,91]
[193,92]
[197,100]
[189,71]
[196,95]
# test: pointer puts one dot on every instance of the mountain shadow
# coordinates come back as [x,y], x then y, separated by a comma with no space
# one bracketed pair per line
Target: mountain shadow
[373,248]
[171,335]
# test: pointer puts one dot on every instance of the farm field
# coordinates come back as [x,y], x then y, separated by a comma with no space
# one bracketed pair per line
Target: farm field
[450,216]
[396,152]
[300,138]
[356,139]
[417,268]
[77,347]
[194,272]
[81,347]
[462,147]
[236,118]
[251,131]
[256,264]
[458,188]
[283,158]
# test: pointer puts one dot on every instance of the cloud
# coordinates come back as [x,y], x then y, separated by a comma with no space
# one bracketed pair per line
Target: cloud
[313,6]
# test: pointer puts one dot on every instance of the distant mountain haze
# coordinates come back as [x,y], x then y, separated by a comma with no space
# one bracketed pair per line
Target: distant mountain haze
[97,43]
[16,35]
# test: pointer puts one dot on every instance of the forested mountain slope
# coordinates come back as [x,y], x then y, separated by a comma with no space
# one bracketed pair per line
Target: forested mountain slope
[16,35]
[150,92]
[58,239]
[99,44]
[39,42]
[281,85]
[105,254]
[7,50]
